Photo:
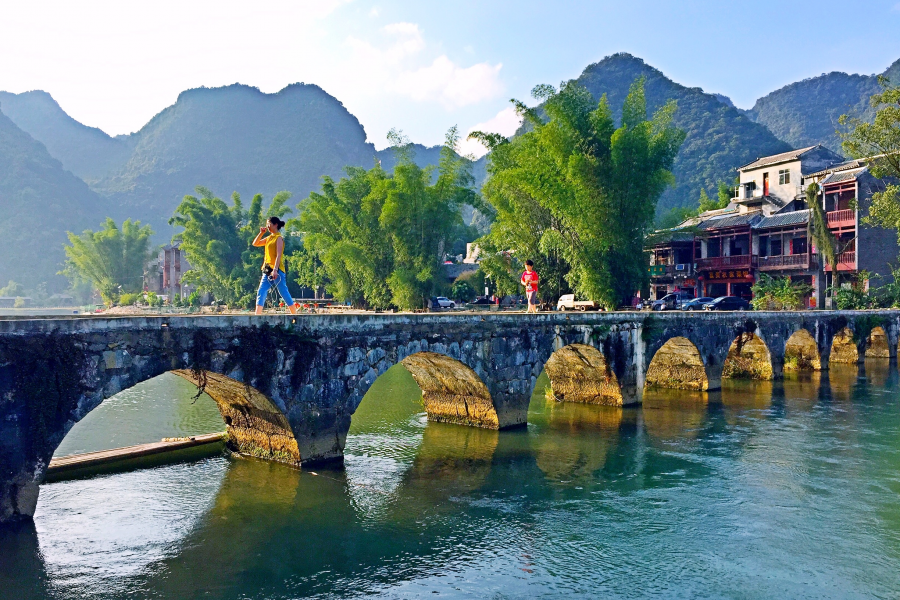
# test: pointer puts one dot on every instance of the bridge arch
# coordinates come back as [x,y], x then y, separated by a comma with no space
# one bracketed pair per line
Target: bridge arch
[677,364]
[801,353]
[748,358]
[877,345]
[452,391]
[844,347]
[581,373]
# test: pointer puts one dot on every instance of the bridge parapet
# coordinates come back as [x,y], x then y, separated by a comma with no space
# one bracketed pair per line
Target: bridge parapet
[287,386]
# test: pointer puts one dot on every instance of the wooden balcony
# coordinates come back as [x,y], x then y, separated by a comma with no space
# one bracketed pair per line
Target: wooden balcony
[741,261]
[790,261]
[846,261]
[841,218]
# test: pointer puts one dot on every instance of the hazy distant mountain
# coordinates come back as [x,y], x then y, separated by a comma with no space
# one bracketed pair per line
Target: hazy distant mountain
[236,138]
[806,112]
[86,151]
[719,137]
[39,202]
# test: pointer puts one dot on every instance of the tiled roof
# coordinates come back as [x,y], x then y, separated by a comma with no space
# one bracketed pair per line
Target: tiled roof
[730,221]
[794,217]
[776,158]
[848,175]
[850,164]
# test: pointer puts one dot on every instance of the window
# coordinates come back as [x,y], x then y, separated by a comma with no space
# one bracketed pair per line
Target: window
[784,176]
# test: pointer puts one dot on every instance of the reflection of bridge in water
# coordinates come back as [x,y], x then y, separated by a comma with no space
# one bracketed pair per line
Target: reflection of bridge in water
[287,386]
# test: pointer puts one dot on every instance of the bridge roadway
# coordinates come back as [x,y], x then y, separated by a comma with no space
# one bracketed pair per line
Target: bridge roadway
[287,385]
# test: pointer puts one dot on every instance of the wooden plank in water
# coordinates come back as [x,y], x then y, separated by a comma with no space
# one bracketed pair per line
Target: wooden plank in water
[92,459]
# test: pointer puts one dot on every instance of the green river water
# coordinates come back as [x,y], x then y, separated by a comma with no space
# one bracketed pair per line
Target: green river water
[784,490]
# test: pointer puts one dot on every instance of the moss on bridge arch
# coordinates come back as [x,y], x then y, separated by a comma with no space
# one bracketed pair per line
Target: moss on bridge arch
[580,373]
[451,391]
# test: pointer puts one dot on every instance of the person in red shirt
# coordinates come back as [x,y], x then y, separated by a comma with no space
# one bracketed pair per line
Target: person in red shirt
[530,281]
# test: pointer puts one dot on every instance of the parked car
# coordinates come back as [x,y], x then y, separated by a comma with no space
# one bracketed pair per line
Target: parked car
[671,301]
[728,303]
[445,302]
[697,303]
[568,302]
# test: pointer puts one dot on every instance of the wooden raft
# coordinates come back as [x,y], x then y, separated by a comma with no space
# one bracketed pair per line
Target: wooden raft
[92,459]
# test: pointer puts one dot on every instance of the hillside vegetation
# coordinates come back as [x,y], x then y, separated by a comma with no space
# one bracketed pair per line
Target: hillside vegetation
[39,202]
[85,151]
[236,138]
[806,113]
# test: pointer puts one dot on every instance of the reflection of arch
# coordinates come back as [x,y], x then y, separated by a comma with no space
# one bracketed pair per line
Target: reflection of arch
[843,348]
[801,352]
[877,344]
[451,391]
[748,358]
[580,373]
[677,364]
[255,425]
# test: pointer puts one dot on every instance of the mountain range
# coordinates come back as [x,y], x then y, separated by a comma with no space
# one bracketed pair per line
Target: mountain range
[236,138]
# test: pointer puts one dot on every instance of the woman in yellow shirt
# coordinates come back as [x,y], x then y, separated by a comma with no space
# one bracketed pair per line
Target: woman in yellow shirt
[273,265]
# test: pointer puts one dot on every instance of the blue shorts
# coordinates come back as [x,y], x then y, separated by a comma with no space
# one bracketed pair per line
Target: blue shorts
[265,285]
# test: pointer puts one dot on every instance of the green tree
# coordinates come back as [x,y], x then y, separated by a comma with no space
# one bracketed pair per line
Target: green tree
[13,289]
[577,194]
[880,142]
[112,259]
[378,240]
[216,242]
[823,239]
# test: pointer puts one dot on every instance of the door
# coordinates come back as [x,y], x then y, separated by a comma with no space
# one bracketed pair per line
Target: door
[765,184]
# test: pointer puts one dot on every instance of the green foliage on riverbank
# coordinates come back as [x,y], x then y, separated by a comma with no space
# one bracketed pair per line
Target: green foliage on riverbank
[379,240]
[216,241]
[112,259]
[577,195]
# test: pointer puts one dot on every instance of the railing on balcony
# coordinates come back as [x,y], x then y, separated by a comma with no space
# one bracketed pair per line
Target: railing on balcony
[721,262]
[846,261]
[790,261]
[839,218]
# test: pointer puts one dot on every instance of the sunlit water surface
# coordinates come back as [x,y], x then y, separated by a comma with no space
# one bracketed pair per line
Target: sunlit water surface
[761,491]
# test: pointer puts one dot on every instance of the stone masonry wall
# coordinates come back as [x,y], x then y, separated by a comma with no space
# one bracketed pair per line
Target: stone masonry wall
[288,386]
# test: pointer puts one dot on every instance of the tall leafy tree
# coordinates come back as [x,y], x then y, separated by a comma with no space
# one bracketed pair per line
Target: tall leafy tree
[112,259]
[216,242]
[577,194]
[378,240]
[823,238]
[880,142]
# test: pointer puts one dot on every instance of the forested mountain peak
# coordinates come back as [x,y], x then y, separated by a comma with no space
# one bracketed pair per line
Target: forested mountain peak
[39,202]
[86,151]
[237,138]
[806,112]
[719,136]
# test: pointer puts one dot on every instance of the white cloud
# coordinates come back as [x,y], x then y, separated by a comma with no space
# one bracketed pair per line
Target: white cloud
[374,12]
[450,84]
[505,122]
[394,63]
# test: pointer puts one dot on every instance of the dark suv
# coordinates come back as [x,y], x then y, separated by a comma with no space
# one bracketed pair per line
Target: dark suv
[728,303]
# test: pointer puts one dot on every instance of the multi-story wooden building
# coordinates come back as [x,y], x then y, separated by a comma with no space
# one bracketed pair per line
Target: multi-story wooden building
[764,228]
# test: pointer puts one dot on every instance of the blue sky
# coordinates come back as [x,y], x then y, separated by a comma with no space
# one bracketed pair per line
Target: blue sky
[420,66]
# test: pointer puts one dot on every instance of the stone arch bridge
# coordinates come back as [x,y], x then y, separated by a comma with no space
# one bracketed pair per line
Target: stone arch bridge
[287,385]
